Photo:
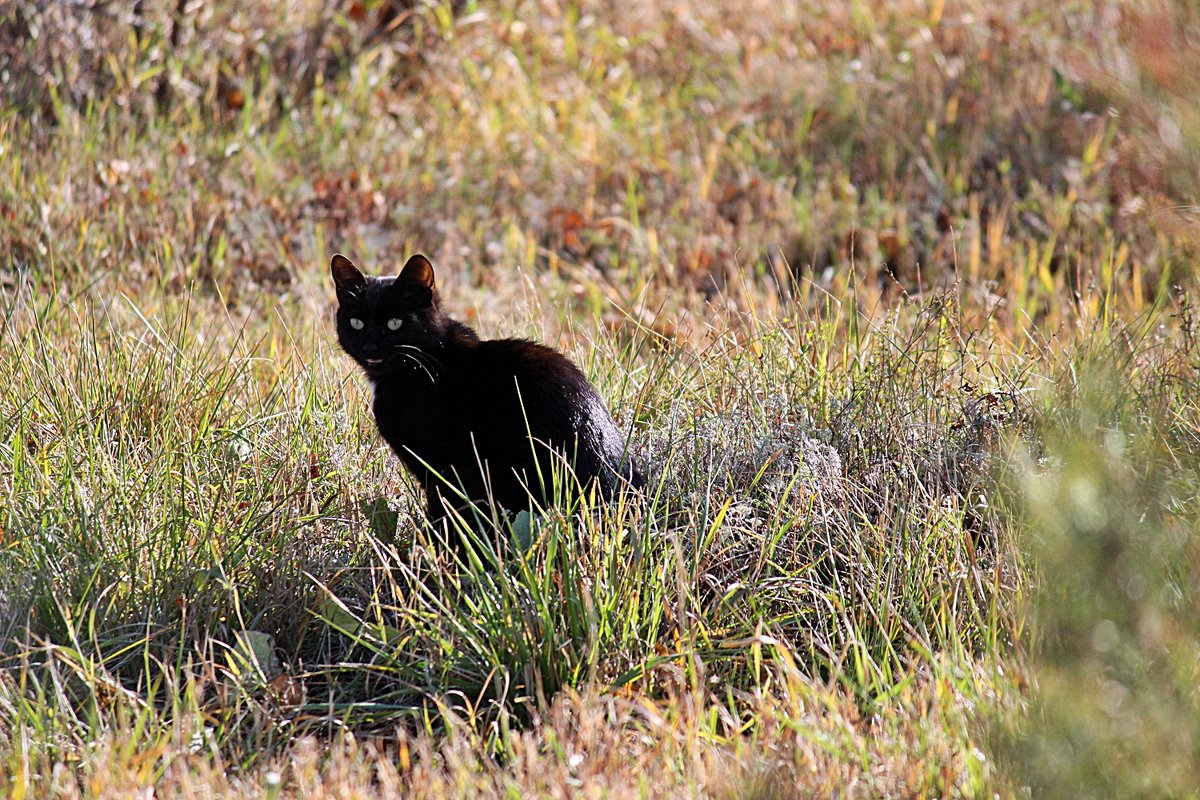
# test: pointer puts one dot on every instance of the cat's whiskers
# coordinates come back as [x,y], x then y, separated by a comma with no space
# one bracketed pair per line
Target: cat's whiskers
[424,356]
[416,360]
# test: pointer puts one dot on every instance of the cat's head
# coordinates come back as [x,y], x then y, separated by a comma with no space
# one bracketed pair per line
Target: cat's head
[387,323]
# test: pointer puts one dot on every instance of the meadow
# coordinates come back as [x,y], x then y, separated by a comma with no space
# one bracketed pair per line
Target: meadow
[894,300]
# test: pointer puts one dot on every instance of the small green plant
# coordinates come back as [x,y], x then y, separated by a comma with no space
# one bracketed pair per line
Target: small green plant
[1110,522]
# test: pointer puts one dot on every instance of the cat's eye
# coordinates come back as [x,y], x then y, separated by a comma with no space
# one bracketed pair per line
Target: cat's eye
[356,323]
[394,323]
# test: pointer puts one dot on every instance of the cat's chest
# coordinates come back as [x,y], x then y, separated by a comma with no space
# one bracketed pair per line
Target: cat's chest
[420,417]
[407,405]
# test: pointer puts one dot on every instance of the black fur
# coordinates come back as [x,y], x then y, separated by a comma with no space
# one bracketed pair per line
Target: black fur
[490,419]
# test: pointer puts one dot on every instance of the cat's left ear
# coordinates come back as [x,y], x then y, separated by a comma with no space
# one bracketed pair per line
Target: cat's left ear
[418,270]
[346,276]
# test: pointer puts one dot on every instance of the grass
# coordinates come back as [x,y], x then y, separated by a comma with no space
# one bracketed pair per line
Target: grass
[894,300]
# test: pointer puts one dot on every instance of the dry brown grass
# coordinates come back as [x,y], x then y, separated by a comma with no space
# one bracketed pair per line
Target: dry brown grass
[800,742]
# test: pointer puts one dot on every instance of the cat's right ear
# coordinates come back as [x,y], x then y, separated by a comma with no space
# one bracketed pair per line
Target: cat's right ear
[419,271]
[346,276]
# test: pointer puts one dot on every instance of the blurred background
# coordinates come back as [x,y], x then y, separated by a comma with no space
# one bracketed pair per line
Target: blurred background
[702,146]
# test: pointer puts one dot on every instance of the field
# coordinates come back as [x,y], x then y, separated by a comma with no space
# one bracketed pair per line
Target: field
[894,300]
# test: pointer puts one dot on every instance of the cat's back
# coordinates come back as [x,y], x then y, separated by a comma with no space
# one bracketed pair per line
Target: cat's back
[526,363]
[524,378]
[525,386]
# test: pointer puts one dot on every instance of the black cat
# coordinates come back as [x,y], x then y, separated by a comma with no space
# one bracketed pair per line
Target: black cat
[477,422]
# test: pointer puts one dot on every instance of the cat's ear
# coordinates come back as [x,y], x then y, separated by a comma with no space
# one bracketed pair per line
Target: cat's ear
[346,276]
[418,270]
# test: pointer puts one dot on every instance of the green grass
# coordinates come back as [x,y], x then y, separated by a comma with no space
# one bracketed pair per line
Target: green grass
[894,301]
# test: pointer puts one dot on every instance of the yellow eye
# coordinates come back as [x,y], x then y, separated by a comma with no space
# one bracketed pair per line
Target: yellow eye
[356,323]
[394,323]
